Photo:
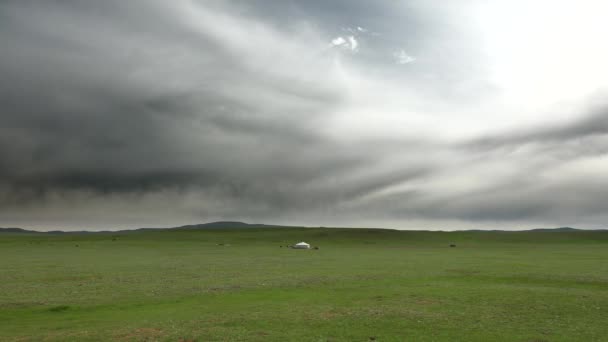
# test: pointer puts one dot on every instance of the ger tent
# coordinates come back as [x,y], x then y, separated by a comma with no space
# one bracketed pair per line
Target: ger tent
[301,245]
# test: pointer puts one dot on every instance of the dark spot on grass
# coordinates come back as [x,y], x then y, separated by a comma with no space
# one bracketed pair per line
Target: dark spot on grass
[59,308]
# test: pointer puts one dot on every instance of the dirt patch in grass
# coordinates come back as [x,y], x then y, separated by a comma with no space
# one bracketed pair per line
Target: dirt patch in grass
[427,301]
[329,315]
[142,334]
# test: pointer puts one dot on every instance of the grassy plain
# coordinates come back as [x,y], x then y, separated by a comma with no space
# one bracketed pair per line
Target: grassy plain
[361,285]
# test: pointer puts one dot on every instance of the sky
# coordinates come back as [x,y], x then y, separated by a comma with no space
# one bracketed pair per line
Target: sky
[412,114]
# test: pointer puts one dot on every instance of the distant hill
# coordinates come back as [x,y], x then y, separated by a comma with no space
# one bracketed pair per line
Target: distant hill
[241,225]
[16,230]
[210,225]
[25,231]
[561,229]
[226,224]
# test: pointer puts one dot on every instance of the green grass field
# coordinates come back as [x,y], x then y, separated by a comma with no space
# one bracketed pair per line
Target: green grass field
[361,285]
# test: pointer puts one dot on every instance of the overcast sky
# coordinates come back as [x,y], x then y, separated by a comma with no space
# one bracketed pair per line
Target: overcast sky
[412,114]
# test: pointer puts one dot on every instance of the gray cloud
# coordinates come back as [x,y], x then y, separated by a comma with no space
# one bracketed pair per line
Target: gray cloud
[155,113]
[593,123]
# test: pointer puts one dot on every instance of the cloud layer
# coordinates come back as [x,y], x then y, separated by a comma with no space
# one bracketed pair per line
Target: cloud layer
[156,113]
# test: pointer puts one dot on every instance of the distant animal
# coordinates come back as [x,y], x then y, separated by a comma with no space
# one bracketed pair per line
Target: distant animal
[316,247]
[452,245]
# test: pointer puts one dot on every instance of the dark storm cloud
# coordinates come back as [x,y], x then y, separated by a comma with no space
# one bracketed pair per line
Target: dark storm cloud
[159,113]
[568,202]
[118,97]
[594,123]
[553,171]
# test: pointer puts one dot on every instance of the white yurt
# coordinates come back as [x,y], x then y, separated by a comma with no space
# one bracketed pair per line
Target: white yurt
[301,245]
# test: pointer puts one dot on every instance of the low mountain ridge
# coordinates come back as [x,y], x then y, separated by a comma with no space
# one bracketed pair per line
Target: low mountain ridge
[209,225]
[240,225]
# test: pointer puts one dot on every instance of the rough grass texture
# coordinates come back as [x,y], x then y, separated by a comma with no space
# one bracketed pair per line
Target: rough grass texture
[361,285]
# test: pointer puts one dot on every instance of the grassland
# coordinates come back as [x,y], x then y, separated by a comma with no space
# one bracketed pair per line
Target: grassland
[361,285]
